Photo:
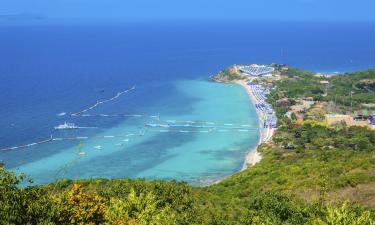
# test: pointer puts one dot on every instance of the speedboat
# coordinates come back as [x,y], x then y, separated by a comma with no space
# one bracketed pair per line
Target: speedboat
[66,126]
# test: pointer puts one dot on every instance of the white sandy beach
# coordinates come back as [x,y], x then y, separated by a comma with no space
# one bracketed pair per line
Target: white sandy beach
[254,156]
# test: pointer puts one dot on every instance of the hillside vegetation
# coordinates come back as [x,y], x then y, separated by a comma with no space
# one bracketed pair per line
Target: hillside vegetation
[123,201]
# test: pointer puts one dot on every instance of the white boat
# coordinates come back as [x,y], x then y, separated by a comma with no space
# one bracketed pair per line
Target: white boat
[66,126]
[98,147]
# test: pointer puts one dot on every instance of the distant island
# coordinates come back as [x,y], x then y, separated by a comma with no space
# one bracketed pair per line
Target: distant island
[315,164]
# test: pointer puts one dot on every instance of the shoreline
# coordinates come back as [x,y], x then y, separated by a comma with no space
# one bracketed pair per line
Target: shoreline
[265,134]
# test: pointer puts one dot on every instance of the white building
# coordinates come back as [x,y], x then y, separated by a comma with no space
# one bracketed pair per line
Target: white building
[257,70]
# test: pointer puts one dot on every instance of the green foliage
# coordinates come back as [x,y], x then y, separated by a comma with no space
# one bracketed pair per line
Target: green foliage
[344,216]
[278,208]
[18,205]
[299,83]
[292,72]
[230,202]
[143,209]
[229,75]
[348,88]
[77,207]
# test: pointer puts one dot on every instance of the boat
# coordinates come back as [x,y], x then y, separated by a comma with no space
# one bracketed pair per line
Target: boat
[98,147]
[66,126]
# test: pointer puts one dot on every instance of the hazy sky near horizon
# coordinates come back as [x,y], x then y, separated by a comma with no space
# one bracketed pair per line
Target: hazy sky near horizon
[140,10]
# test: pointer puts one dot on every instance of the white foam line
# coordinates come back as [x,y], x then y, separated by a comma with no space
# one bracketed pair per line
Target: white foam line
[82,137]
[201,131]
[87,127]
[189,122]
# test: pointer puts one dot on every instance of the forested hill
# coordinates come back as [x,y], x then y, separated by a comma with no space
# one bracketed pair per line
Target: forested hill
[348,89]
[312,172]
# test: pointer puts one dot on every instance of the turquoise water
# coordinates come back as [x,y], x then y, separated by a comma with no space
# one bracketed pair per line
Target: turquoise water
[195,157]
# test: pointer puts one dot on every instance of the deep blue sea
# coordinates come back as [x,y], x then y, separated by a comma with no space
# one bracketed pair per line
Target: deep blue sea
[46,70]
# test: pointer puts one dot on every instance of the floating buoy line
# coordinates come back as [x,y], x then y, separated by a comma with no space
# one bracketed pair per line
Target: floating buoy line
[115,115]
[102,102]
[52,139]
[27,145]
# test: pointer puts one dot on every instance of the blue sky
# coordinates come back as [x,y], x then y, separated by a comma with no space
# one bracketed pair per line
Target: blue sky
[139,10]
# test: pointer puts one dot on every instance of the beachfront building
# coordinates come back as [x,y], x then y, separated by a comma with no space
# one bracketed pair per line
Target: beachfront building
[257,70]
[327,75]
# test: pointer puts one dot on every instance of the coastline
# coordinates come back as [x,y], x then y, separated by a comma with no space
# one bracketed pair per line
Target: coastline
[265,134]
